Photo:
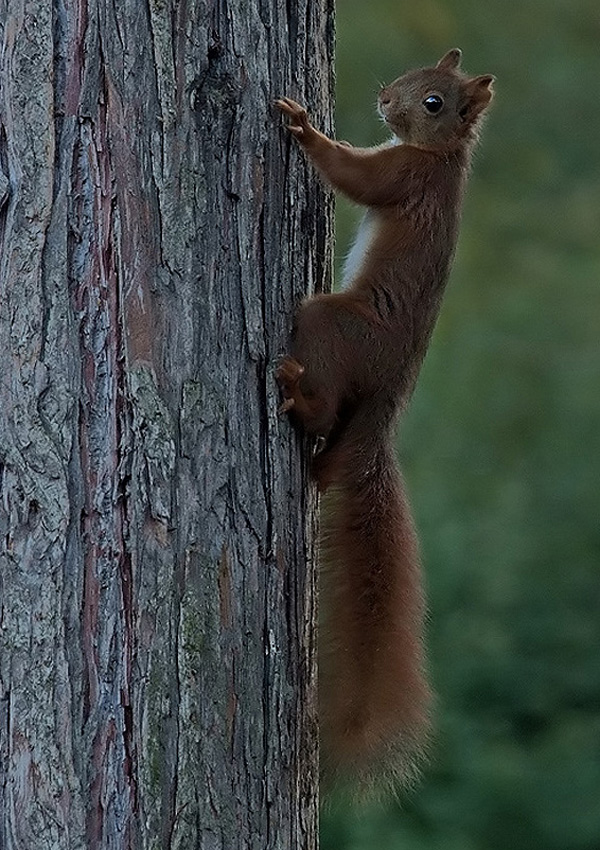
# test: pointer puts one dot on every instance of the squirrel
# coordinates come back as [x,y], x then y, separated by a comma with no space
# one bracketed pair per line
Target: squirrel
[354,361]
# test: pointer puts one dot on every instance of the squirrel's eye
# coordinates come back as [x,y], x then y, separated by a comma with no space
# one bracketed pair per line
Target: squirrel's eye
[433,103]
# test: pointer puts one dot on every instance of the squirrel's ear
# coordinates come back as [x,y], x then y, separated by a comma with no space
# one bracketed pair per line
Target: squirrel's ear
[451,60]
[476,95]
[484,81]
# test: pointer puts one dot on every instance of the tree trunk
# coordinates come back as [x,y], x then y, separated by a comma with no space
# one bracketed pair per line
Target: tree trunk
[157,616]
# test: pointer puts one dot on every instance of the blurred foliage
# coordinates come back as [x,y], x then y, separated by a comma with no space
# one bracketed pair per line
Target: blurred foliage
[501,445]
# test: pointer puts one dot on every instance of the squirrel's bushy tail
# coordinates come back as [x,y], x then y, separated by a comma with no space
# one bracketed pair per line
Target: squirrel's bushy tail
[374,698]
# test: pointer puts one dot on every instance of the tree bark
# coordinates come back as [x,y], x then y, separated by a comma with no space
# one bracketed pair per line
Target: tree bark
[157,614]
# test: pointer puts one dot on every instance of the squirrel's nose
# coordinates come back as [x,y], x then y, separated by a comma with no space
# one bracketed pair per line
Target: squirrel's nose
[384,98]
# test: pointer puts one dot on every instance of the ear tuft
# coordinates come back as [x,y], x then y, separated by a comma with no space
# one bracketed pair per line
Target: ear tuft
[483,82]
[451,60]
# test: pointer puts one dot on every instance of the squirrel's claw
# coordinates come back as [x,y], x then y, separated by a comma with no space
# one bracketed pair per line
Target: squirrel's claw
[286,104]
[297,114]
[287,376]
[289,372]
[286,406]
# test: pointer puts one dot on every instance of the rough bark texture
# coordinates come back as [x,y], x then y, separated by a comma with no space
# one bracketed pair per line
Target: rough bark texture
[157,228]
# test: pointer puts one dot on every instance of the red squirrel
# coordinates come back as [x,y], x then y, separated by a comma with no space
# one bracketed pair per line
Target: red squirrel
[354,361]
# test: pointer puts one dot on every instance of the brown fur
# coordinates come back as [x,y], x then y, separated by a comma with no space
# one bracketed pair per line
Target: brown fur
[355,359]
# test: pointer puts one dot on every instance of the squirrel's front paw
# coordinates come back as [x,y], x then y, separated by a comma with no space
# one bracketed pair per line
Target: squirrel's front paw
[287,376]
[289,373]
[297,114]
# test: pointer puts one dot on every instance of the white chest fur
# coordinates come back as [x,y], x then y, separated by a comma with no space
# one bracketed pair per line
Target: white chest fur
[364,237]
[358,251]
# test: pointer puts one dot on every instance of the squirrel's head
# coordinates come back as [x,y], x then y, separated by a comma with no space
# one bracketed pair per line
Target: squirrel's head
[436,107]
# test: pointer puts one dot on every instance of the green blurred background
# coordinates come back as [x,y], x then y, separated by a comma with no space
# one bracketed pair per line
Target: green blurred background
[501,446]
